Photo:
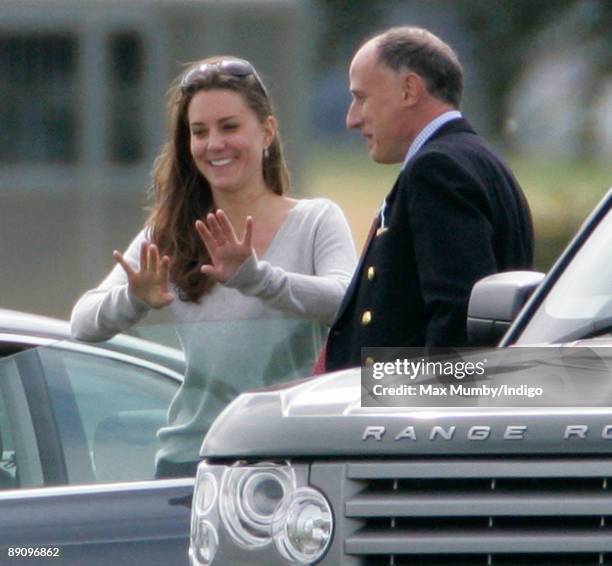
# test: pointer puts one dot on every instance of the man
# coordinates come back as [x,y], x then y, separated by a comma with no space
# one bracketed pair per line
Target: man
[455,214]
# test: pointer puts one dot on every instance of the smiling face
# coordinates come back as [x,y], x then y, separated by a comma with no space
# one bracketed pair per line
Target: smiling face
[227,140]
[378,107]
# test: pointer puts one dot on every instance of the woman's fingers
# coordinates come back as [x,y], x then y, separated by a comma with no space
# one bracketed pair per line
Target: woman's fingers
[248,233]
[164,272]
[218,230]
[150,262]
[164,268]
[150,281]
[226,251]
[206,236]
[126,266]
[226,226]
[144,255]
[153,258]
[215,229]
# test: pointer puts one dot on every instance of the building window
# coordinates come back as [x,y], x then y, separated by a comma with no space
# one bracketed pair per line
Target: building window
[43,98]
[38,98]
[126,97]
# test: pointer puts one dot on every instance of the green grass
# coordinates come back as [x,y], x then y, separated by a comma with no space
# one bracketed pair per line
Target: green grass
[561,192]
[346,175]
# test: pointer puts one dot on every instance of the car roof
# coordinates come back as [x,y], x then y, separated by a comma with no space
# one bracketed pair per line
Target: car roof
[34,324]
[47,328]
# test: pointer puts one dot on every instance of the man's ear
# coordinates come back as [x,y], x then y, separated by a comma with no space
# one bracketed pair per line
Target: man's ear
[412,88]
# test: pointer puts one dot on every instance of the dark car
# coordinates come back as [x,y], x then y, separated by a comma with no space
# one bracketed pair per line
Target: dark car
[78,439]
[310,473]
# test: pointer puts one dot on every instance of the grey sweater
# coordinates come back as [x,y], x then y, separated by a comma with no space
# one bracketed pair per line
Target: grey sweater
[265,324]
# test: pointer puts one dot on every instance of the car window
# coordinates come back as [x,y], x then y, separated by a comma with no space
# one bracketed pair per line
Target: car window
[91,413]
[582,297]
[119,407]
[20,464]
[8,469]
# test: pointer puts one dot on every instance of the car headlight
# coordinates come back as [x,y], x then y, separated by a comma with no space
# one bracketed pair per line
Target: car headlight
[205,543]
[302,529]
[259,507]
[249,498]
[204,538]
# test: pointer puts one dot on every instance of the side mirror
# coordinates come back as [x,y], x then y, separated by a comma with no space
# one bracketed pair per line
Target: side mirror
[494,303]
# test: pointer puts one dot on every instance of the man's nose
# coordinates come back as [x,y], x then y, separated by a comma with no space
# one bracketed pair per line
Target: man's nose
[353,117]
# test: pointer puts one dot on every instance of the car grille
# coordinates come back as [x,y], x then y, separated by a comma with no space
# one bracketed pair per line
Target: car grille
[479,511]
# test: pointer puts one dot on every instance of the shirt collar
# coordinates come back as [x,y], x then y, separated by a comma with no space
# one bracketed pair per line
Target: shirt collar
[429,131]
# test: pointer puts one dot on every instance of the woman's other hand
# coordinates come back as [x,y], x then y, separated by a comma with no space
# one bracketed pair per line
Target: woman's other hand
[150,282]
[227,252]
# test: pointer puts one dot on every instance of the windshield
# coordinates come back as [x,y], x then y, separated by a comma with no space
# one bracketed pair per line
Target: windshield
[580,303]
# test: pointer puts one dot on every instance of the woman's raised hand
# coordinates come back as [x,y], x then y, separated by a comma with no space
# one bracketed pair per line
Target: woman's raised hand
[227,252]
[150,282]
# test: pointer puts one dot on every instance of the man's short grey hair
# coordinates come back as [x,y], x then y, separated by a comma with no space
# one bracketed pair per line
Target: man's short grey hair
[420,51]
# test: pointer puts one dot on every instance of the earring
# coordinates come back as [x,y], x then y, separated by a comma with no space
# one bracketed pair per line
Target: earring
[266,153]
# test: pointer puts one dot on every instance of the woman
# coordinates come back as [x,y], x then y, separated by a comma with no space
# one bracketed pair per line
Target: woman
[222,172]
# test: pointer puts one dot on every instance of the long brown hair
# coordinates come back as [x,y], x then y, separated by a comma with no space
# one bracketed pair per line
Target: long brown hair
[182,194]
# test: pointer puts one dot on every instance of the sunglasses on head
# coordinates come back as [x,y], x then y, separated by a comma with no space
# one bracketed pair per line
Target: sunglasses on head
[239,68]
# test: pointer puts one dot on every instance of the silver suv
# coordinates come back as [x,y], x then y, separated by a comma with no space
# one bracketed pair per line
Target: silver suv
[305,473]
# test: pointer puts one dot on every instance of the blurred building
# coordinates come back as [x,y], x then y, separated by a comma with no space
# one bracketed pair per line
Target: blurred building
[82,112]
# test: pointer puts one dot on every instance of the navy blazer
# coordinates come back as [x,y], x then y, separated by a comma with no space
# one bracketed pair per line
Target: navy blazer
[455,214]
